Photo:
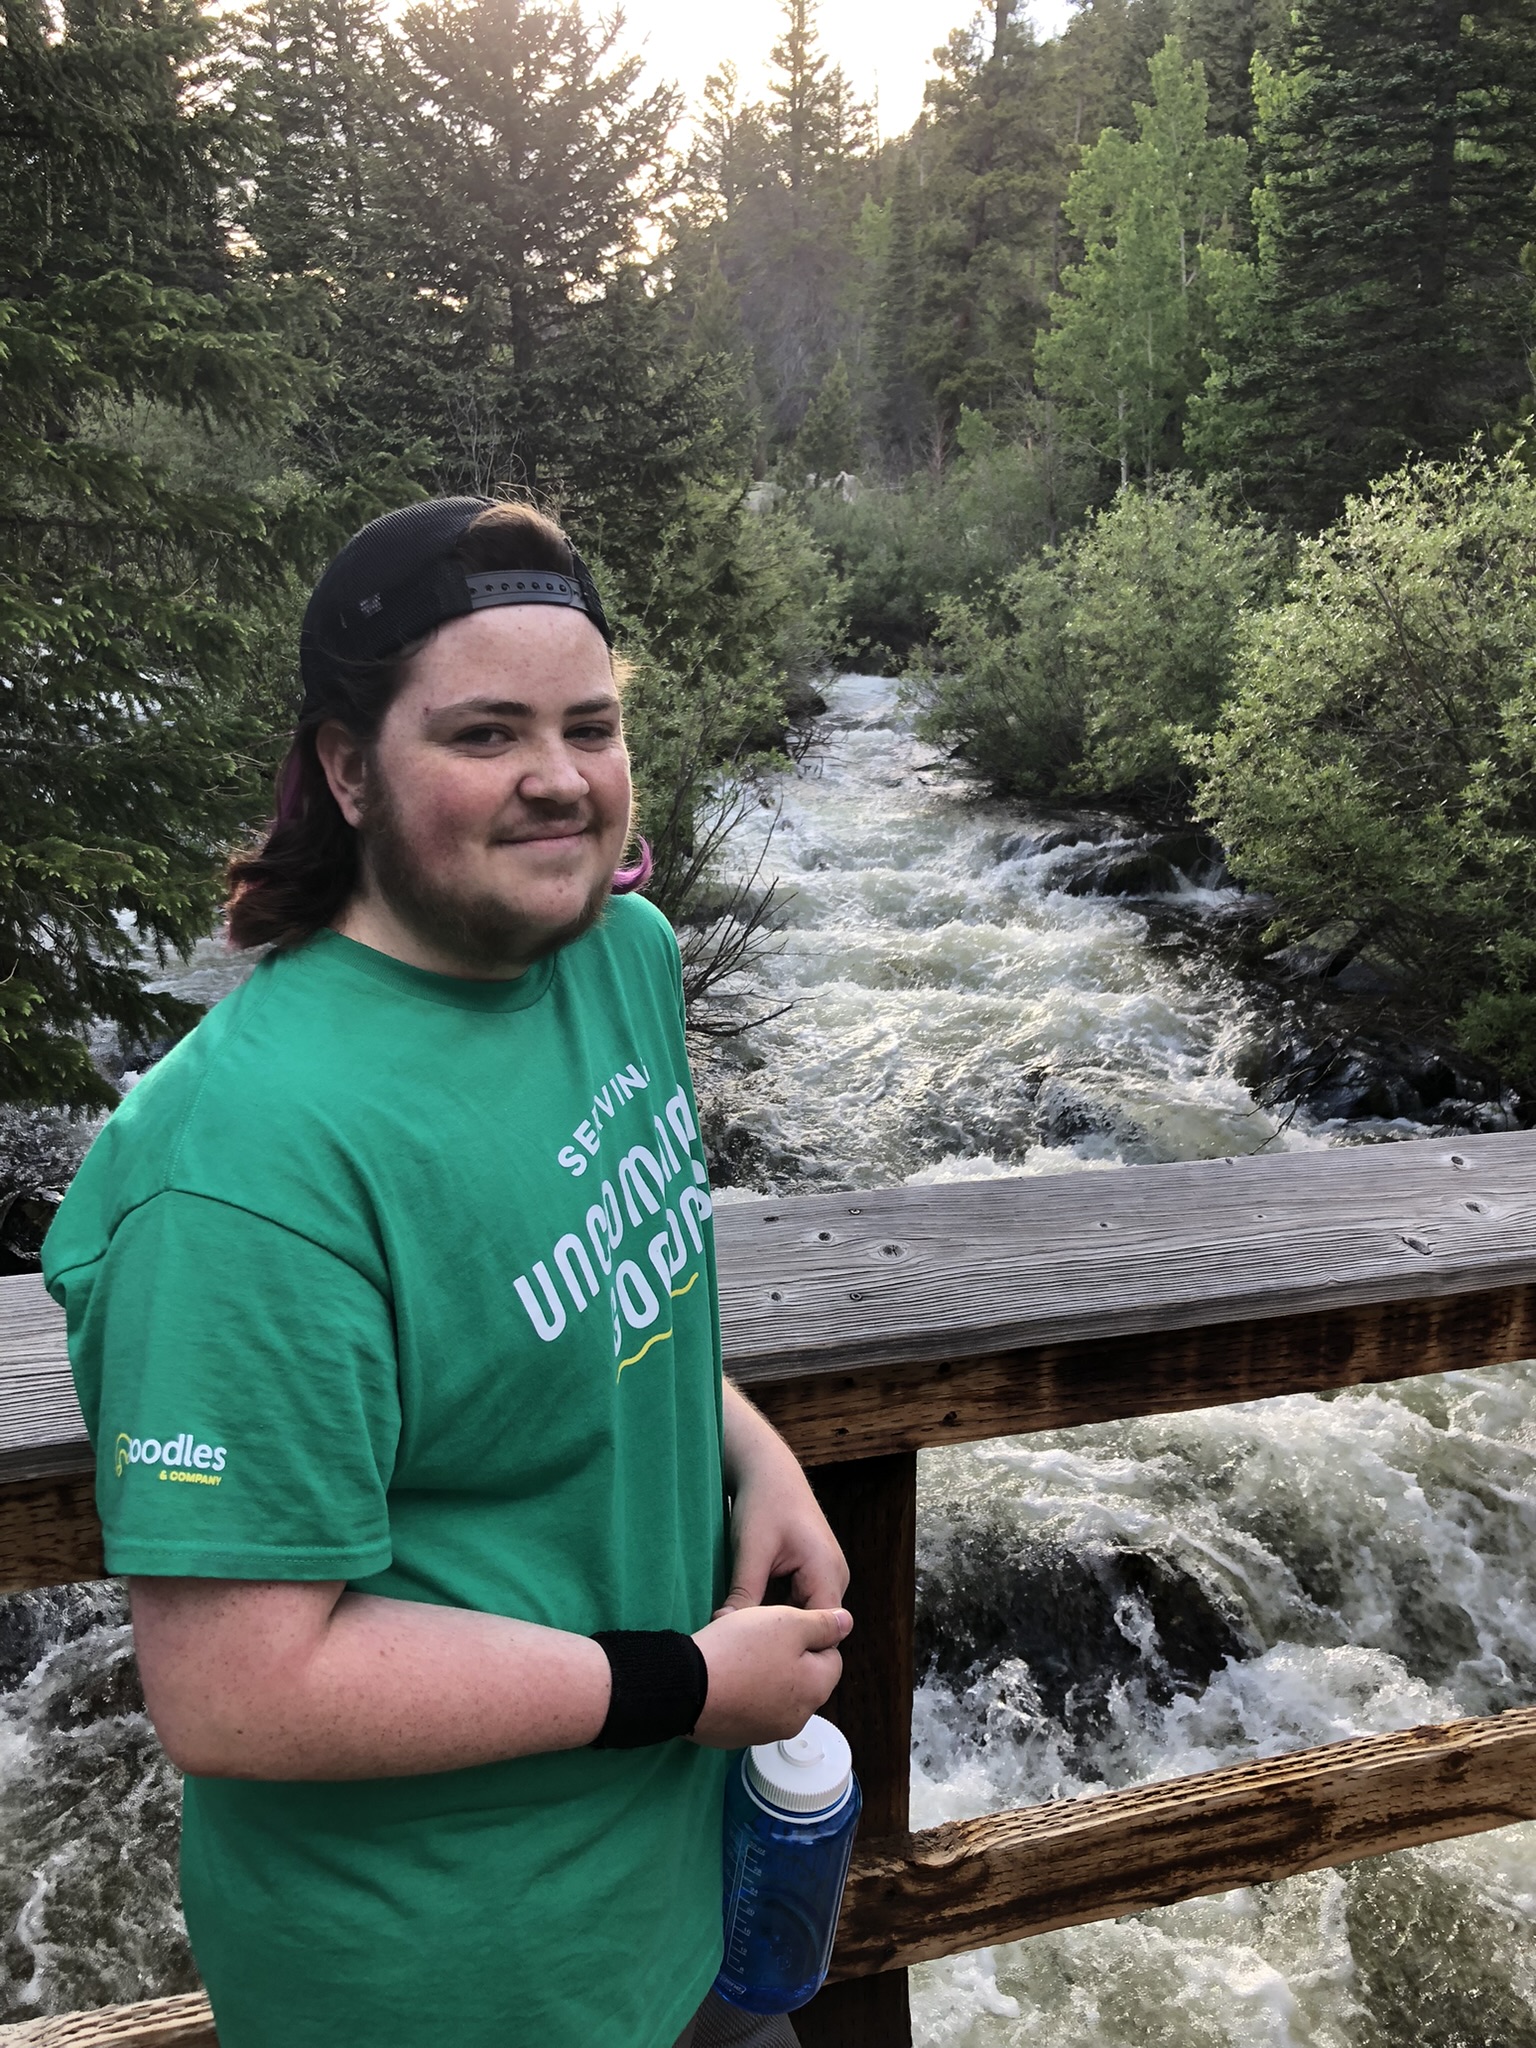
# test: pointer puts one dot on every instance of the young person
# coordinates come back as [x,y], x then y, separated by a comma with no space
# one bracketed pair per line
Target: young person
[392,1310]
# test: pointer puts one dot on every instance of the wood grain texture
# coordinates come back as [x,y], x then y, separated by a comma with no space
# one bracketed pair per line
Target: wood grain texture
[159,2023]
[872,1412]
[972,1883]
[49,1533]
[903,1274]
[41,1428]
[832,1282]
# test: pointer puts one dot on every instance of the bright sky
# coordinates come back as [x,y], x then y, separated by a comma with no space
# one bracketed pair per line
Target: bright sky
[884,46]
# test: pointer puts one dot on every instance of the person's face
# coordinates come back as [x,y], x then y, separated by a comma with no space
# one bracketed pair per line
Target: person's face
[494,804]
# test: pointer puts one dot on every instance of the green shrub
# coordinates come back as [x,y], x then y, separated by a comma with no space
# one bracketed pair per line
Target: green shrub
[899,554]
[1093,670]
[1376,769]
[1003,695]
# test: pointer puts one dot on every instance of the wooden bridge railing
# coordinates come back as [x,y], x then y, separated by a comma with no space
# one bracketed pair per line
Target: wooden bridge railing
[870,1326]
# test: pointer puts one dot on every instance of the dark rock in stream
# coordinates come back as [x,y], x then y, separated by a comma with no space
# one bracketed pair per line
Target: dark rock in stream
[1115,857]
[1377,1074]
[1065,1113]
[1160,864]
[1067,832]
[1084,1619]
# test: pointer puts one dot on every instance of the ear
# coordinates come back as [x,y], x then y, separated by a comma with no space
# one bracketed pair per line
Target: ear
[344,759]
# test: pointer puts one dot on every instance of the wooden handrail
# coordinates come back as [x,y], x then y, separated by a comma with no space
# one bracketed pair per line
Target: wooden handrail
[972,1883]
[850,1316]
[183,2022]
[872,1325]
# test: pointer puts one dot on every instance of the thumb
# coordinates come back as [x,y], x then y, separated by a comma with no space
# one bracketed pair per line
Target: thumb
[825,1627]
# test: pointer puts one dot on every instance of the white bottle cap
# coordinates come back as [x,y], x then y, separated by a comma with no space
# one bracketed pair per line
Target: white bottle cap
[809,1773]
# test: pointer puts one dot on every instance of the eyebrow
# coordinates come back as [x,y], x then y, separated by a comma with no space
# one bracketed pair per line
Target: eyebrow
[507,707]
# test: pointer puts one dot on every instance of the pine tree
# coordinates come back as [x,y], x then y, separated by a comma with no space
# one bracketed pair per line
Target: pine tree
[778,193]
[731,154]
[505,160]
[1398,149]
[1224,36]
[828,440]
[805,100]
[313,94]
[901,402]
[132,596]
[993,184]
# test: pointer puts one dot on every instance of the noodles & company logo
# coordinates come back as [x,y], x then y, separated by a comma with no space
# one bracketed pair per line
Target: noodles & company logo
[178,1457]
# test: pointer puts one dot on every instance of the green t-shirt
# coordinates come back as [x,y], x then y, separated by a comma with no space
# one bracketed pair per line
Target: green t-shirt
[409,1281]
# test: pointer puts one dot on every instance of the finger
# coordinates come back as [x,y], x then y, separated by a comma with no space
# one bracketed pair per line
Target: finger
[750,1571]
[745,1592]
[821,1581]
[824,1627]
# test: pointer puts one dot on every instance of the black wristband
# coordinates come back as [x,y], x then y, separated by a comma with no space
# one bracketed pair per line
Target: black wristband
[660,1684]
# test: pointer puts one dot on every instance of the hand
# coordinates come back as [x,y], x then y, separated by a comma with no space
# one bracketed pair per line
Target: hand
[777,1529]
[770,1668]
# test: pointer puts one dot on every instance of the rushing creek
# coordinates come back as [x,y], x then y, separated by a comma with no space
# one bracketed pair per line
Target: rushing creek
[1098,1607]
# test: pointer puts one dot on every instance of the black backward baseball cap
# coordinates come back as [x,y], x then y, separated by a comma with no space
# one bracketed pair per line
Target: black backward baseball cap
[401,576]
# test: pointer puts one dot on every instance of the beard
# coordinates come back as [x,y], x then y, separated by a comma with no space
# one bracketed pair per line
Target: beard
[482,931]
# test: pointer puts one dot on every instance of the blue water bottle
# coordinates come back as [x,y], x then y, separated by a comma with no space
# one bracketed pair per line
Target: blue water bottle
[791,1809]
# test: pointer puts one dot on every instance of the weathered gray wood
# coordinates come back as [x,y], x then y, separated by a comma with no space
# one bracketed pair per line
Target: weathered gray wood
[41,1429]
[835,1282]
[975,1882]
[953,1271]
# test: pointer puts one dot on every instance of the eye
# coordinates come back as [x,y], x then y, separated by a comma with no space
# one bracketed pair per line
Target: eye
[481,736]
[594,732]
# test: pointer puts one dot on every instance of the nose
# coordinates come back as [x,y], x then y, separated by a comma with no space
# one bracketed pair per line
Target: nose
[553,776]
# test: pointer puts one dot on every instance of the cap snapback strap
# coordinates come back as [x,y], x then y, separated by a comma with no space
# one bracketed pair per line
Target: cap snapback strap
[489,587]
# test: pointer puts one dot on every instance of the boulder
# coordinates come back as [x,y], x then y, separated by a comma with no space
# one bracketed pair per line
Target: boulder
[1065,1113]
[1038,839]
[1377,1075]
[1085,1617]
[1138,871]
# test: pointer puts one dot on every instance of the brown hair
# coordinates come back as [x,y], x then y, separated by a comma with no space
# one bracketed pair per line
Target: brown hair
[305,868]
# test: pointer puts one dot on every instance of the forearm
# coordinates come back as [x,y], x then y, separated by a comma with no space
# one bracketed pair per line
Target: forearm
[373,1689]
[777,1529]
[751,1441]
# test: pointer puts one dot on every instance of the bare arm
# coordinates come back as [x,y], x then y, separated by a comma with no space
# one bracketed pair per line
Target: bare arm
[248,1679]
[777,1528]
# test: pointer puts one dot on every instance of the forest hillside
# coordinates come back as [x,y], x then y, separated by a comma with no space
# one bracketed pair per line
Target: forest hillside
[1159,406]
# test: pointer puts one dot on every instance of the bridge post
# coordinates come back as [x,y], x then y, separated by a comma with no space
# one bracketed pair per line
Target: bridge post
[872,1506]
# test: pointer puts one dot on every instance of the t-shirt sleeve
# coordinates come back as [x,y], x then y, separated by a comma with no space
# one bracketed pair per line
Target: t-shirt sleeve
[241,1387]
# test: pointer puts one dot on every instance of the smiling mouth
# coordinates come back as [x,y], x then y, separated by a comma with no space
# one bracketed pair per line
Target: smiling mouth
[544,838]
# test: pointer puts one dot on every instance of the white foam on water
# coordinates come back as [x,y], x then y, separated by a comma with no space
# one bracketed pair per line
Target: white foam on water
[946,1002]
[1372,1551]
